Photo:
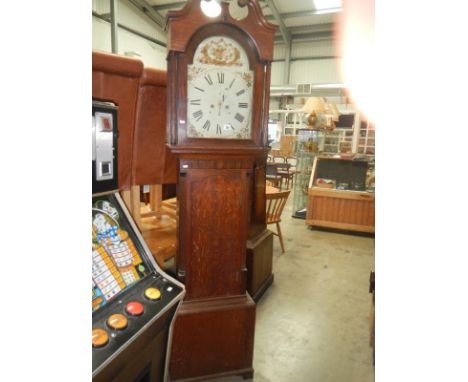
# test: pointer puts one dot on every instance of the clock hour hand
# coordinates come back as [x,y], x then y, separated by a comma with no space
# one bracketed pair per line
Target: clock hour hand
[220,106]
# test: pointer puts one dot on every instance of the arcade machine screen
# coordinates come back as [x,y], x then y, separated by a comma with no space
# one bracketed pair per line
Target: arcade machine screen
[117,266]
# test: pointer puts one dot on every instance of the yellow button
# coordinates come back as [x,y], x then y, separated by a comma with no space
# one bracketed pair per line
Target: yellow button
[100,338]
[117,321]
[152,294]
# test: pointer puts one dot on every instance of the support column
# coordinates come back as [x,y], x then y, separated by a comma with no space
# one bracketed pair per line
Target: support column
[113,15]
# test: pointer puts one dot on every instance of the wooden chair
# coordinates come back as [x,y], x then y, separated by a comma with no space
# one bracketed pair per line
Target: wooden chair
[279,159]
[292,161]
[272,175]
[285,173]
[274,207]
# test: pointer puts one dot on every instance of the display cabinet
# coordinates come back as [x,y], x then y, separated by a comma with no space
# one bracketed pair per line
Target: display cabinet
[306,148]
[366,142]
[336,141]
[340,194]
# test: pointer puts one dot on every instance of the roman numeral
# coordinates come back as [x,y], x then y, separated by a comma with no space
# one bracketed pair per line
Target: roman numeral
[231,83]
[239,117]
[240,92]
[221,78]
[199,89]
[195,102]
[207,125]
[198,115]
[208,79]
[243,105]
[218,129]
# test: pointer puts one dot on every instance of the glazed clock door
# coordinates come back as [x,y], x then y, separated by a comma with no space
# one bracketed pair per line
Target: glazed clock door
[219,91]
[214,219]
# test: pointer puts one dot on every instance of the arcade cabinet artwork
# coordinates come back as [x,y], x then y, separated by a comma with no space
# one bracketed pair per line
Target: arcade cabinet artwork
[133,300]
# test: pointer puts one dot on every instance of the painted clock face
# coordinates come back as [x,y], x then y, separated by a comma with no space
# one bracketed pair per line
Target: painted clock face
[219,91]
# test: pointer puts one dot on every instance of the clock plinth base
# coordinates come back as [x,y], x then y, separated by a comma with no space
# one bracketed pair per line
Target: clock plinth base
[213,338]
[259,263]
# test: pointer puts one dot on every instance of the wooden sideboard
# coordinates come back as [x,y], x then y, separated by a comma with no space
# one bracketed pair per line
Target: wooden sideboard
[341,209]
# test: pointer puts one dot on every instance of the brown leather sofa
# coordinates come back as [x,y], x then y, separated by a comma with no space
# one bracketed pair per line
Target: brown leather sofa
[152,161]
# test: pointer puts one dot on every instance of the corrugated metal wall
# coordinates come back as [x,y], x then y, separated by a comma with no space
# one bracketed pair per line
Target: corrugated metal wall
[150,53]
[317,48]
[316,67]
[315,71]
[277,70]
[279,51]
[101,6]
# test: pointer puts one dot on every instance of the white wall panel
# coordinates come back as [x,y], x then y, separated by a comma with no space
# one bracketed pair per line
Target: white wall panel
[101,35]
[101,6]
[277,70]
[150,53]
[130,16]
[315,71]
[279,51]
[313,48]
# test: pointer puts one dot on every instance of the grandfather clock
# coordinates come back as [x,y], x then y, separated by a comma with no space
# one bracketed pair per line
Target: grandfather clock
[218,96]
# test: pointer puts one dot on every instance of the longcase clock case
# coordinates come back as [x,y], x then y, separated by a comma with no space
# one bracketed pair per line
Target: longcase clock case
[221,193]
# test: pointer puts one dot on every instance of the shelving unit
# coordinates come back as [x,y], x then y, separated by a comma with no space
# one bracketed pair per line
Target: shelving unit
[330,141]
[366,143]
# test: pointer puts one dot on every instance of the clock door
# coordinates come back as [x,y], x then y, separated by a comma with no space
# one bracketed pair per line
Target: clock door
[213,216]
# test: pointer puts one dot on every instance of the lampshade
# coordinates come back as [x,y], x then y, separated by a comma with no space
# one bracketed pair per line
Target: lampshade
[333,111]
[314,104]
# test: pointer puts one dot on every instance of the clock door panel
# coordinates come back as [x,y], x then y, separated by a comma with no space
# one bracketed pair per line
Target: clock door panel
[214,217]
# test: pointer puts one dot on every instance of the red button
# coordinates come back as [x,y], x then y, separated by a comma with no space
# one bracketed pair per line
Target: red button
[134,308]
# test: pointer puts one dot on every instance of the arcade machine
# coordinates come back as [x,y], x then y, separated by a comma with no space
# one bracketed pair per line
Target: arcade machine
[134,301]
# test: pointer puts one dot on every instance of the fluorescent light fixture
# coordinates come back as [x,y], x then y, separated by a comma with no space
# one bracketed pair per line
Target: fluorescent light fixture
[211,8]
[327,4]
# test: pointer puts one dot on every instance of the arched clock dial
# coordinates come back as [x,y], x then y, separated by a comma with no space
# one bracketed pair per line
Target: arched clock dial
[219,104]
[219,91]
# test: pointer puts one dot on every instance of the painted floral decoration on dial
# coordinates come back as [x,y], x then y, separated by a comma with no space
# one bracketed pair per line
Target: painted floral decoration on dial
[219,91]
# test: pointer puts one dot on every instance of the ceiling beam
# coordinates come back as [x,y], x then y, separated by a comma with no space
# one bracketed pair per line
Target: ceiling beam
[306,37]
[291,15]
[325,27]
[106,17]
[283,30]
[148,10]
[165,7]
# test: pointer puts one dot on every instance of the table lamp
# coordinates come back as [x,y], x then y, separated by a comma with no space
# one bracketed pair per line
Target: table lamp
[313,106]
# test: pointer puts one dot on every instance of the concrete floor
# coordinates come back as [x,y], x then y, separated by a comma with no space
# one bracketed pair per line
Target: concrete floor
[313,322]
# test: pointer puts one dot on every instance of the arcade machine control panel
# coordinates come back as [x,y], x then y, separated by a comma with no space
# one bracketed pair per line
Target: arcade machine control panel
[133,300]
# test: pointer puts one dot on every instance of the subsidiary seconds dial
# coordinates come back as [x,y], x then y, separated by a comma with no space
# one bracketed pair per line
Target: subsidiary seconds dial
[219,104]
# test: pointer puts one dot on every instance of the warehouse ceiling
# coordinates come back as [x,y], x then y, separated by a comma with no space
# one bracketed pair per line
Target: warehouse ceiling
[297,19]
